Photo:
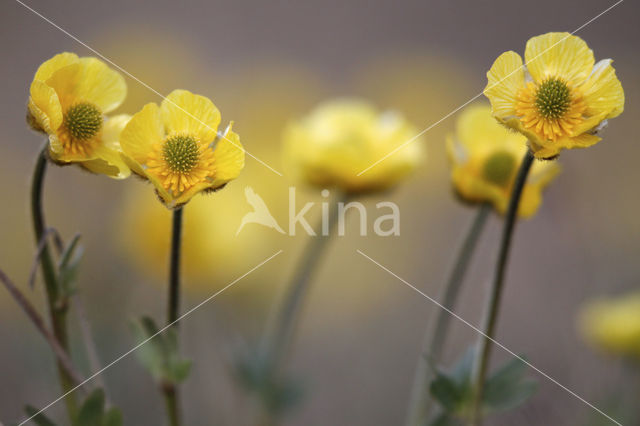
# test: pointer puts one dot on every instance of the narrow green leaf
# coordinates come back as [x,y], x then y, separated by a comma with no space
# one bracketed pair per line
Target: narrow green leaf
[92,410]
[68,265]
[113,417]
[152,354]
[38,419]
[461,371]
[447,392]
[179,371]
[508,387]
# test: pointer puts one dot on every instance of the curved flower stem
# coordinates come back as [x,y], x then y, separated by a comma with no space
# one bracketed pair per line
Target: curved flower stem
[57,306]
[279,337]
[170,390]
[493,302]
[434,339]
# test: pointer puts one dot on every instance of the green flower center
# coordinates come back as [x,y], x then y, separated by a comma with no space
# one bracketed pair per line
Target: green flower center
[181,153]
[83,121]
[553,98]
[499,167]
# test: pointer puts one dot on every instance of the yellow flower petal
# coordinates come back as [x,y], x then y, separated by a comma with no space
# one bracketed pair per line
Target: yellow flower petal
[541,175]
[187,195]
[45,106]
[65,82]
[143,130]
[473,128]
[603,92]
[108,159]
[584,140]
[47,69]
[505,78]
[559,55]
[101,85]
[185,112]
[486,156]
[229,158]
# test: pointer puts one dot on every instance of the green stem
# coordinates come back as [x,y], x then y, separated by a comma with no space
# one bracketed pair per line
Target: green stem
[421,403]
[170,393]
[173,307]
[279,338]
[170,390]
[493,302]
[57,307]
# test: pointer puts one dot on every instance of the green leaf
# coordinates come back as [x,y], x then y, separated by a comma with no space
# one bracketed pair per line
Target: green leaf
[39,419]
[452,389]
[179,370]
[283,395]
[447,392]
[68,266]
[92,410]
[159,354]
[508,387]
[461,371]
[113,417]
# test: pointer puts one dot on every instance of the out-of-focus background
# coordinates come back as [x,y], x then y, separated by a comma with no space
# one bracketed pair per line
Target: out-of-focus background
[264,63]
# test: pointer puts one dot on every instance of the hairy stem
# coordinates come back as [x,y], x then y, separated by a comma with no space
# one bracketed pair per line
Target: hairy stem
[421,403]
[38,321]
[170,390]
[493,302]
[57,306]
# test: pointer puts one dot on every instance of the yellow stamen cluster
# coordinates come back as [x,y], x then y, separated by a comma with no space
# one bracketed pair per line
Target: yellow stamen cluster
[499,167]
[553,98]
[181,153]
[180,162]
[81,123]
[551,109]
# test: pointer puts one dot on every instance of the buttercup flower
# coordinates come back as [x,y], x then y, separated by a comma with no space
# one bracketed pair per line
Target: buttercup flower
[486,156]
[177,147]
[212,253]
[69,97]
[560,99]
[340,139]
[613,325]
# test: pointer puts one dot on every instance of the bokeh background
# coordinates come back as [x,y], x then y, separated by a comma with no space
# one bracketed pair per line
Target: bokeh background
[264,63]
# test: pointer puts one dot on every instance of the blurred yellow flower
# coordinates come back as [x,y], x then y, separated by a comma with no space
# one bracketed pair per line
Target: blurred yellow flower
[339,139]
[69,97]
[560,99]
[213,254]
[486,156]
[178,148]
[613,325]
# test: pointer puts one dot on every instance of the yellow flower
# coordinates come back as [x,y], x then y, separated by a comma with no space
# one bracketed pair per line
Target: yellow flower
[69,97]
[486,156]
[213,255]
[560,99]
[340,139]
[177,147]
[613,325]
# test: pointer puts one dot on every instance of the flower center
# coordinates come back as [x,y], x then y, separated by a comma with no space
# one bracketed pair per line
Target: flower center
[553,98]
[499,167]
[181,153]
[83,121]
